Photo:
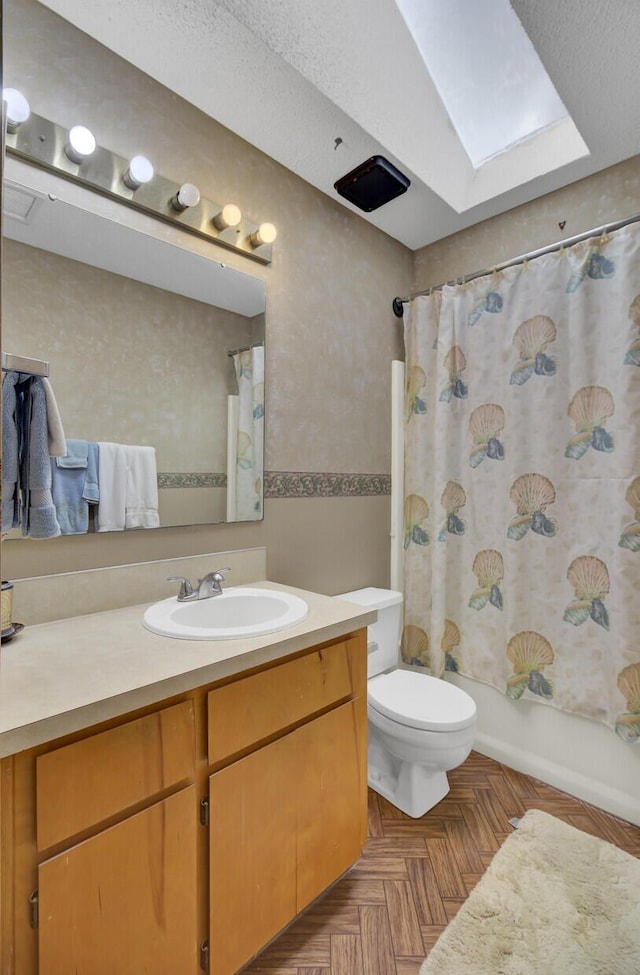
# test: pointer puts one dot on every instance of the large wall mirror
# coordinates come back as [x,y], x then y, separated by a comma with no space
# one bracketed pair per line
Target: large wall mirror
[148,343]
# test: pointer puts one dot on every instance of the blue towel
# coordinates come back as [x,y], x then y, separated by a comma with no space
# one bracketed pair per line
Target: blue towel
[38,511]
[75,485]
[72,511]
[76,456]
[10,463]
[91,490]
[26,476]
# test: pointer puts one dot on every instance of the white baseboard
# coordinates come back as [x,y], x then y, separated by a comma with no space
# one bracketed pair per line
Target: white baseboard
[613,801]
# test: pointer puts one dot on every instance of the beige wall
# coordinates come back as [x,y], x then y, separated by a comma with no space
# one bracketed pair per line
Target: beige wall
[331,334]
[610,195]
[129,363]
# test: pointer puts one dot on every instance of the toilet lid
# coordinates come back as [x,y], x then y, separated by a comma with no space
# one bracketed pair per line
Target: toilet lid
[421,701]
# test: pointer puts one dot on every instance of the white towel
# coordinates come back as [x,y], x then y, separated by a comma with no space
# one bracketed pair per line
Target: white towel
[112,480]
[57,442]
[141,505]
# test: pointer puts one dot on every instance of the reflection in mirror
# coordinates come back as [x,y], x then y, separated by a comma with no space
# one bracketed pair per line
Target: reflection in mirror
[149,344]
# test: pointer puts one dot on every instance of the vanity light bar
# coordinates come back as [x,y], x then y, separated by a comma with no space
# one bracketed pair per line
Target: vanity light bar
[49,146]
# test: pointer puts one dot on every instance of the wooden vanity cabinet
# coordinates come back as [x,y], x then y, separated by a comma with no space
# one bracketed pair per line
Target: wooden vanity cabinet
[288,818]
[192,833]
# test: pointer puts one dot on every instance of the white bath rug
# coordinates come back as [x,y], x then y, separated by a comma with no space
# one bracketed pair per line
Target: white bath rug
[554,901]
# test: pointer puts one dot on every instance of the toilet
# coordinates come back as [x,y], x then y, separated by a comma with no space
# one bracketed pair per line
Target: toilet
[419,726]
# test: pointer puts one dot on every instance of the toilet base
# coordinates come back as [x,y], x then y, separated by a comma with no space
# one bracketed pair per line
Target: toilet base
[413,789]
[408,765]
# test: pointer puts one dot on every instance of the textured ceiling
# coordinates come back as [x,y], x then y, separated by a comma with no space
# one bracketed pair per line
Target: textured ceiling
[293,76]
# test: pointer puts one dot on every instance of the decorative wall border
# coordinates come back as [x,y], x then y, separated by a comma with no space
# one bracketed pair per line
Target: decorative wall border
[291,484]
[298,484]
[191,480]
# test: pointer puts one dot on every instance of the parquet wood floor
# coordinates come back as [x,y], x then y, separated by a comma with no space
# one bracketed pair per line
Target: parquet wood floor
[385,915]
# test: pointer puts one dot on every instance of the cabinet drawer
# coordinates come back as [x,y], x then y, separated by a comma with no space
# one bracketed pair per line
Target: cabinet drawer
[81,784]
[251,709]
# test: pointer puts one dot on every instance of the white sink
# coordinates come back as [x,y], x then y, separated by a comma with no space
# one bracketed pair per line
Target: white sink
[239,612]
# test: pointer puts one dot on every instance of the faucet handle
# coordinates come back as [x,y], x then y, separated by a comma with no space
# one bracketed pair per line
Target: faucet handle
[215,576]
[211,584]
[186,589]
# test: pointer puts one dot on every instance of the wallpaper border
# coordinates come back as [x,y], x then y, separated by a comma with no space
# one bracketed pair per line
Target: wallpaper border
[291,484]
[304,484]
[191,480]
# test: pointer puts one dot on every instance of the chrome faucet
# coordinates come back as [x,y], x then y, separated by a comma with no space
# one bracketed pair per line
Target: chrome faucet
[210,585]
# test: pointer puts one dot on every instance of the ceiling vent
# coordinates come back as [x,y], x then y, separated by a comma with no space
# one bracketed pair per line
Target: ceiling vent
[19,204]
[372,184]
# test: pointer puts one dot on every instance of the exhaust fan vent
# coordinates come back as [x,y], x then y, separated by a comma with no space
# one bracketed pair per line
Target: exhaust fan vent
[19,204]
[372,184]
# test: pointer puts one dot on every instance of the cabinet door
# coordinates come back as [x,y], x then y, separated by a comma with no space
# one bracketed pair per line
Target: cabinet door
[124,901]
[252,853]
[330,800]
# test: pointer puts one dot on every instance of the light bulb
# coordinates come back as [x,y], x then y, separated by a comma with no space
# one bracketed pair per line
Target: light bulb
[187,196]
[18,110]
[229,216]
[139,171]
[265,234]
[81,143]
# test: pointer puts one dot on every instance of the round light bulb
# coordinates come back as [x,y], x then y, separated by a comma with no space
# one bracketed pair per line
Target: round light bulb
[187,196]
[138,172]
[229,216]
[81,143]
[265,234]
[18,110]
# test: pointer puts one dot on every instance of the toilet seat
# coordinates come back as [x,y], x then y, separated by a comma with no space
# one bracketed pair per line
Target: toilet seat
[420,701]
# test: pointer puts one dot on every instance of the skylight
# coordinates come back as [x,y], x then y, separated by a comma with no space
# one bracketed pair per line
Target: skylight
[492,83]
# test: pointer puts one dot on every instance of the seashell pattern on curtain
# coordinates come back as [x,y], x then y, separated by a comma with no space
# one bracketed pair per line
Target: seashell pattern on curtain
[522,481]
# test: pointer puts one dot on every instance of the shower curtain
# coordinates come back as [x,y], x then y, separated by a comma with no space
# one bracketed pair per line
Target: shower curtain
[522,481]
[249,367]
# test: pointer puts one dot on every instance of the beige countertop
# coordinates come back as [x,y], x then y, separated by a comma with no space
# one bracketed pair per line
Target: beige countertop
[61,677]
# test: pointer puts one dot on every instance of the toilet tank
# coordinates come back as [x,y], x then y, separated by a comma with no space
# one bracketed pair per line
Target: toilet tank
[383,636]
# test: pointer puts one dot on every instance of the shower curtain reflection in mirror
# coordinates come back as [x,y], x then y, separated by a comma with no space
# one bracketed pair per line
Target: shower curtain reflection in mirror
[246,437]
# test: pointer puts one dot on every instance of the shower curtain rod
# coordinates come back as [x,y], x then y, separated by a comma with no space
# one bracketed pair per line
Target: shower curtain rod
[549,249]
